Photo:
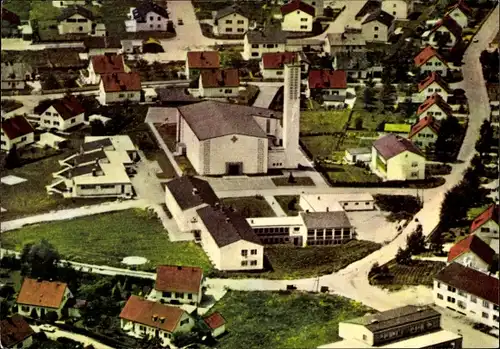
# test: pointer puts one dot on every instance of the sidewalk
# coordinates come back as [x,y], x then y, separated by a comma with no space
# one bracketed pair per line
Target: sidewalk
[275,206]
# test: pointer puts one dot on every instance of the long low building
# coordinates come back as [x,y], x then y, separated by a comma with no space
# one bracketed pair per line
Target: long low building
[337,202]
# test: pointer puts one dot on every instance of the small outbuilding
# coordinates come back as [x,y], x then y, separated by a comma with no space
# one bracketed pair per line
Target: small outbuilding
[216,323]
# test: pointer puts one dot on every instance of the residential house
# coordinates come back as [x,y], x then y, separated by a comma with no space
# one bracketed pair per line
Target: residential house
[402,130]
[272,65]
[469,292]
[432,84]
[102,45]
[493,90]
[216,323]
[424,133]
[15,332]
[10,24]
[147,16]
[42,297]
[230,21]
[99,169]
[120,87]
[62,114]
[351,40]
[15,75]
[229,240]
[257,42]
[16,131]
[428,61]
[399,9]
[104,64]
[318,5]
[375,26]
[68,3]
[219,83]
[485,225]
[404,327]
[355,64]
[369,6]
[434,106]
[297,16]
[177,285]
[353,155]
[331,85]
[397,159]
[78,20]
[472,252]
[461,13]
[146,319]
[196,61]
[446,33]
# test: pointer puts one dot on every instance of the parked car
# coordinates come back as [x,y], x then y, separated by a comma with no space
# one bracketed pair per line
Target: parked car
[475,40]
[47,328]
[180,21]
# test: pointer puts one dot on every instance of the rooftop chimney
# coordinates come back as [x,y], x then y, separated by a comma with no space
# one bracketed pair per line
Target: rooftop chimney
[162,319]
[154,317]
[195,191]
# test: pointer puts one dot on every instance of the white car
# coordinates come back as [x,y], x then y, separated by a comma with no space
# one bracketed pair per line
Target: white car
[475,40]
[47,328]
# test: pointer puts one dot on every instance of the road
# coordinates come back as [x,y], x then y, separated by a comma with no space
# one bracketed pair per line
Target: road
[77,337]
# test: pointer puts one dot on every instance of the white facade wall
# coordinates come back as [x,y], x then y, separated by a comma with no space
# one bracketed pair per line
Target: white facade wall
[93,78]
[276,158]
[102,190]
[210,246]
[475,308]
[218,331]
[81,26]
[154,22]
[297,21]
[233,24]
[7,144]
[488,230]
[396,8]
[181,297]
[357,332]
[361,205]
[273,73]
[118,97]
[375,31]
[459,17]
[232,259]
[402,167]
[425,139]
[25,310]
[325,91]
[217,92]
[51,119]
[434,64]
[471,260]
[255,51]
[66,3]
[294,224]
[431,89]
[435,111]
[193,146]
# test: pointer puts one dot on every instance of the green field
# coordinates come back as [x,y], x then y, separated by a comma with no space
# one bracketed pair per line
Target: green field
[108,238]
[285,200]
[350,174]
[323,121]
[273,320]
[250,206]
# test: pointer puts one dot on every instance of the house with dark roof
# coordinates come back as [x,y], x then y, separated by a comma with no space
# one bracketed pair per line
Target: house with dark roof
[15,332]
[230,21]
[258,42]
[428,60]
[104,64]
[197,61]
[434,106]
[485,225]
[219,83]
[357,65]
[433,84]
[272,65]
[461,13]
[16,131]
[177,285]
[120,87]
[330,84]
[78,20]
[62,114]
[472,252]
[469,292]
[297,16]
[405,327]
[10,24]
[216,324]
[147,16]
[42,296]
[397,159]
[147,319]
[424,133]
[15,75]
[446,33]
[375,26]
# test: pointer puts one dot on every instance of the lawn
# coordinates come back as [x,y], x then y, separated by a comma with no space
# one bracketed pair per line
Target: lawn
[323,121]
[298,181]
[349,174]
[108,238]
[250,206]
[289,204]
[322,146]
[19,7]
[276,320]
[43,11]
[373,120]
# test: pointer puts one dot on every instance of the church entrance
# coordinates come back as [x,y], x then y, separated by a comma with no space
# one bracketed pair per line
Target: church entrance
[234,168]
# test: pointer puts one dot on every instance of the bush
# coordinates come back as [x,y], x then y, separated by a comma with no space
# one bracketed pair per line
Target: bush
[184,338]
[51,317]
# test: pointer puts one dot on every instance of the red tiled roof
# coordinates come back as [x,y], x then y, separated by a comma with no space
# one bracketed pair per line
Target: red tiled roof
[171,278]
[14,330]
[152,314]
[16,126]
[278,60]
[117,82]
[426,54]
[462,6]
[426,121]
[473,244]
[327,79]
[297,5]
[203,60]
[10,17]
[68,107]
[220,78]
[449,23]
[391,145]
[107,64]
[215,320]
[471,281]
[433,77]
[48,294]
[490,213]
[435,99]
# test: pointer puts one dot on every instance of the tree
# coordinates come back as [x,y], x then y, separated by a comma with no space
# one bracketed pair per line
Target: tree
[387,95]
[477,165]
[374,270]
[40,260]
[97,128]
[483,144]
[368,95]
[51,316]
[403,256]
[358,123]
[159,69]
[436,242]
[454,207]
[12,159]
[51,83]
[181,339]
[415,242]
[447,142]
[142,64]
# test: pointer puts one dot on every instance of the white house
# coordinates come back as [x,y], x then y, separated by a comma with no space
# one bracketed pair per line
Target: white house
[257,42]
[375,26]
[428,61]
[42,297]
[67,3]
[197,61]
[432,84]
[399,9]
[120,87]
[16,131]
[219,83]
[177,285]
[272,65]
[62,114]
[216,323]
[78,20]
[353,155]
[351,40]
[141,318]
[15,75]
[297,16]
[327,83]
[485,225]
[461,13]
[469,292]
[230,21]
[104,64]
[228,240]
[434,106]
[472,252]
[15,332]
[446,33]
[424,133]
[397,159]
[147,16]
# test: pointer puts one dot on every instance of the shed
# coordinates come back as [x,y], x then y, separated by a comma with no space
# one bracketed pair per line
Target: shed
[353,155]
[216,323]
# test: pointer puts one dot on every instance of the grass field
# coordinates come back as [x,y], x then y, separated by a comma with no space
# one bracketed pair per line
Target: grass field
[108,238]
[250,206]
[323,121]
[322,146]
[273,320]
[371,120]
[19,7]
[284,202]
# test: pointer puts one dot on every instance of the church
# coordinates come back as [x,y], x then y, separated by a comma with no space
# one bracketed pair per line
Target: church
[229,139]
